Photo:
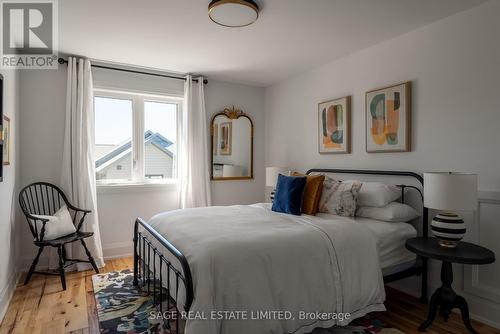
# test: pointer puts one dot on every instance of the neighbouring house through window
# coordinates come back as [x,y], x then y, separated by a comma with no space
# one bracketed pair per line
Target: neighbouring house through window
[136,137]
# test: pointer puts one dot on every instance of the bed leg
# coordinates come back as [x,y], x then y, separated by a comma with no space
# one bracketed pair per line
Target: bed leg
[423,296]
[136,256]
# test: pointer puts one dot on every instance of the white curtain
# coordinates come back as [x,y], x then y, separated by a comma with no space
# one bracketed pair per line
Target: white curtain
[194,158]
[78,169]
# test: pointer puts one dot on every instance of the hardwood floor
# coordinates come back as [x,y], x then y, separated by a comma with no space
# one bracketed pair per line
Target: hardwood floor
[42,307]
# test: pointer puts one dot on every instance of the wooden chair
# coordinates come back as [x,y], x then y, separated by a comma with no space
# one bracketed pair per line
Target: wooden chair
[43,198]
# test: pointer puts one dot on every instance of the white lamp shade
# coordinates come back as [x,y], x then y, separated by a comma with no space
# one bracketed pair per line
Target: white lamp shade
[450,191]
[272,175]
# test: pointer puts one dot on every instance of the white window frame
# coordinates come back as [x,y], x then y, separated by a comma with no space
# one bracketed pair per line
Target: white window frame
[138,146]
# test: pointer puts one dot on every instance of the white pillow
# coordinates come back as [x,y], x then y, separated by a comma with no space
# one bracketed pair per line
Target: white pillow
[59,225]
[392,212]
[377,194]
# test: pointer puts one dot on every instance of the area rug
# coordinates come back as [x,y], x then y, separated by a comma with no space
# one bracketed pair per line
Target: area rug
[122,308]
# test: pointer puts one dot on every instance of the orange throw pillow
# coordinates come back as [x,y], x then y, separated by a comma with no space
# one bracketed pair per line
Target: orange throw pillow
[312,193]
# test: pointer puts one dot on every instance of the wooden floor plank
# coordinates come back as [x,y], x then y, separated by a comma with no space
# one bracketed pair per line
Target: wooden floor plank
[404,310]
[56,326]
[43,307]
[93,321]
[16,304]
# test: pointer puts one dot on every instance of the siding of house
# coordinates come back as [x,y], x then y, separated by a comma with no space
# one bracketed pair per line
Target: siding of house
[112,172]
[157,163]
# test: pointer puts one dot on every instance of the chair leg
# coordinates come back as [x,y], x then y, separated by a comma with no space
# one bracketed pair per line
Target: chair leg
[33,265]
[61,267]
[91,259]
[64,253]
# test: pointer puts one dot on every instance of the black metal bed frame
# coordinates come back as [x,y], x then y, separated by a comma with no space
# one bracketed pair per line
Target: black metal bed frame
[421,266]
[151,279]
[149,275]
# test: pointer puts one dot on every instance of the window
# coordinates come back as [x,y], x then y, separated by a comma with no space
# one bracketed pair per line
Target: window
[160,123]
[135,137]
[113,130]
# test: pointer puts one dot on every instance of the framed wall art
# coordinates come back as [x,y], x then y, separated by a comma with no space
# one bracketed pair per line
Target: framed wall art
[388,119]
[225,138]
[6,140]
[334,125]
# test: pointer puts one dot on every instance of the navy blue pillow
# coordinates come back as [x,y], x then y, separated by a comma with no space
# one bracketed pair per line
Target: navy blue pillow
[288,196]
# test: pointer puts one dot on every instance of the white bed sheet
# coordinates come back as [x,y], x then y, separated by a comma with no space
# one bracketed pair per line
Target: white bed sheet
[390,237]
[281,262]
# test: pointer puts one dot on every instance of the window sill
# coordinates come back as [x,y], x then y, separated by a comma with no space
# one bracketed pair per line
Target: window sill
[169,185]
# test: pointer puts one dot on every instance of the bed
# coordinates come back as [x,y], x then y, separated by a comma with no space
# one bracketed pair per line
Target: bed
[247,269]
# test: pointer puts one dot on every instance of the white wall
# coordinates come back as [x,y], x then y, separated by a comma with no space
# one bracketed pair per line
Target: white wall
[454,65]
[42,118]
[42,102]
[251,100]
[8,193]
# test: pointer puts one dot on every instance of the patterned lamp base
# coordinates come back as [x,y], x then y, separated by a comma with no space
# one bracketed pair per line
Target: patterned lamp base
[449,228]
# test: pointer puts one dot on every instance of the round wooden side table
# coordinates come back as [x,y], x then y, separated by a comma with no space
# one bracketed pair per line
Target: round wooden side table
[445,298]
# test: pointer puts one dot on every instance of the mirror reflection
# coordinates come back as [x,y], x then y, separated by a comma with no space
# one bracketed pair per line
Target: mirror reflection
[232,156]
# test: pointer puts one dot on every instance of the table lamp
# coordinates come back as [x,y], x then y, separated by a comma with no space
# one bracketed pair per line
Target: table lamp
[449,192]
[272,177]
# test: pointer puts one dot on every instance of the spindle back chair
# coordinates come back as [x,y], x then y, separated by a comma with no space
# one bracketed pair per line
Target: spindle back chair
[42,198]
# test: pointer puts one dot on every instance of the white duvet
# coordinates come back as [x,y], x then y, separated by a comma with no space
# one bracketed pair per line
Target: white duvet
[250,259]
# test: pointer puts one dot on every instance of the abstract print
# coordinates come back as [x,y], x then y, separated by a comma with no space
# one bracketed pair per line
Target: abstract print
[387,119]
[333,134]
[334,118]
[226,137]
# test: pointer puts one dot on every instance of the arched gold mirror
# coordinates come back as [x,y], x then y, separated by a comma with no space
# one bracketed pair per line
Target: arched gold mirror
[231,134]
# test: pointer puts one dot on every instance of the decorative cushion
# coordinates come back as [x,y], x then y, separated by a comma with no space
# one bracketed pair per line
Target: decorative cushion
[339,197]
[59,225]
[312,193]
[392,212]
[377,194]
[289,192]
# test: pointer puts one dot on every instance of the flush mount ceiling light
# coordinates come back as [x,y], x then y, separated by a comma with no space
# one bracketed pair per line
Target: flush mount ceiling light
[233,13]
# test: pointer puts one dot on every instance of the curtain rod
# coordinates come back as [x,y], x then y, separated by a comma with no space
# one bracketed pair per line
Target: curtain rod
[65,61]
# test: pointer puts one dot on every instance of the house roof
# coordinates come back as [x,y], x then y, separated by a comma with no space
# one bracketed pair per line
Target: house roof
[151,137]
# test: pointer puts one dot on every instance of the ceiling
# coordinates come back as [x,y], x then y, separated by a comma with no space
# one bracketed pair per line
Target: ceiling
[289,37]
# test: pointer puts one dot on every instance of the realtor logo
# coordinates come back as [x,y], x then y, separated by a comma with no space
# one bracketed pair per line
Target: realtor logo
[29,34]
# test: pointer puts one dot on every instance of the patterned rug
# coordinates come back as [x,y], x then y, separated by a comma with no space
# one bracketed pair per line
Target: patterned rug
[122,308]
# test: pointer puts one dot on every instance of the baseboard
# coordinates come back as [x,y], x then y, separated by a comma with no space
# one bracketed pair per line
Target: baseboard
[483,320]
[118,250]
[411,286]
[110,251]
[482,310]
[7,293]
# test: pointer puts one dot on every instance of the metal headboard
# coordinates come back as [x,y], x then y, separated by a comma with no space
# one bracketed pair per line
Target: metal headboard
[418,177]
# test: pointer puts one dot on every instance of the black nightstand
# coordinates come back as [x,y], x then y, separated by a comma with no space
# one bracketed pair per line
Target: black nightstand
[445,298]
